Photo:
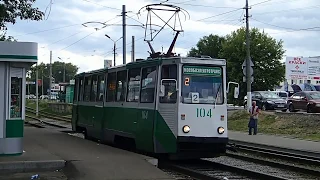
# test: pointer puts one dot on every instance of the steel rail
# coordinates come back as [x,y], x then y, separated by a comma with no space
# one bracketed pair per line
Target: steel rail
[275,164]
[214,166]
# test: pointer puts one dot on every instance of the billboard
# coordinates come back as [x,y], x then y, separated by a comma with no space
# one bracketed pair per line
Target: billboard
[314,68]
[302,68]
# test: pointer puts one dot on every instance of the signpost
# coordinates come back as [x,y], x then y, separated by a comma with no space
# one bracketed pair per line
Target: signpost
[244,67]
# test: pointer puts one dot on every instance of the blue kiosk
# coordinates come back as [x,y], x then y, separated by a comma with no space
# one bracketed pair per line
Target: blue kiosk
[15,59]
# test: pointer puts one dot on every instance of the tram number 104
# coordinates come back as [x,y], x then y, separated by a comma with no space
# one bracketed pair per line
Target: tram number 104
[202,112]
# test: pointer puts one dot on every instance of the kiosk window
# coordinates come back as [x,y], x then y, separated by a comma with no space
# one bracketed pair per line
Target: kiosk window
[16,97]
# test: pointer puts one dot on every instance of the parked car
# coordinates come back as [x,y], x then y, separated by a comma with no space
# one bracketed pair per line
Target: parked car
[267,100]
[305,100]
[283,94]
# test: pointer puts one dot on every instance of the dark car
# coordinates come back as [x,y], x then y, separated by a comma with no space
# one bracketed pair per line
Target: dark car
[305,100]
[267,100]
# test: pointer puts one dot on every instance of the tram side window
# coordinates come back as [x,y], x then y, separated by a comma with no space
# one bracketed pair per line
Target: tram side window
[133,85]
[80,88]
[87,88]
[170,94]
[121,85]
[111,83]
[148,84]
[94,87]
[76,90]
[100,88]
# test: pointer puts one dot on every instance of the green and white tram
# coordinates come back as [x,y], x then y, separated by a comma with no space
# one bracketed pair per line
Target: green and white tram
[173,106]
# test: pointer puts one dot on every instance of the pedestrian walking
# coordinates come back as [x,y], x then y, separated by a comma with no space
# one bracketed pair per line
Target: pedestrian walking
[253,122]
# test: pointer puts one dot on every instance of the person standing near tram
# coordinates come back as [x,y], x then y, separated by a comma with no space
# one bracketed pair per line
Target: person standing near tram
[253,122]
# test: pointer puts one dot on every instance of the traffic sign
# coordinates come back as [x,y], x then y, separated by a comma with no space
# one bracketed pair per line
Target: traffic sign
[245,71]
[245,79]
[244,64]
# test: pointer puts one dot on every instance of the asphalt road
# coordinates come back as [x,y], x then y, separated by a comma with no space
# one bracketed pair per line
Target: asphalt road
[90,160]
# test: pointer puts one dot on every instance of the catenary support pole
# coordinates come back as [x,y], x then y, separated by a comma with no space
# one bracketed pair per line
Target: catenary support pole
[37,92]
[114,54]
[248,75]
[42,83]
[132,56]
[124,33]
[64,72]
[50,75]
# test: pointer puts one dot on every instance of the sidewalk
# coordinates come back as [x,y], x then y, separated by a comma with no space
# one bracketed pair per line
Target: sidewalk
[277,141]
[85,159]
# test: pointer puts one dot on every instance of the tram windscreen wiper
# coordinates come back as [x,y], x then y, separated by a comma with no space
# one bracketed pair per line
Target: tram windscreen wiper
[215,99]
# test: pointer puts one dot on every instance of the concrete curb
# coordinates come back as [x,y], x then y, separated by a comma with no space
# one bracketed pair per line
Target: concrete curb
[25,166]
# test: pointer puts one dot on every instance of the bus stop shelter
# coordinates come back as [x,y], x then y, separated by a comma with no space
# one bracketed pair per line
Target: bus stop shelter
[15,60]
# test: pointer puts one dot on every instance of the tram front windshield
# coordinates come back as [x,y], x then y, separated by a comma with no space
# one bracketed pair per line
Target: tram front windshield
[202,85]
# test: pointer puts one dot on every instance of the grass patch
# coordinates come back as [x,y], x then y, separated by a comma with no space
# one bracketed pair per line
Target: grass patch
[43,107]
[297,126]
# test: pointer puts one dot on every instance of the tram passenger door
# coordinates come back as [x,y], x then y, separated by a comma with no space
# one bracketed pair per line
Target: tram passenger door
[166,124]
[97,96]
[147,105]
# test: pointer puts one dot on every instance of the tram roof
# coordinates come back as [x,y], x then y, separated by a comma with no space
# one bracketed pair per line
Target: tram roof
[143,63]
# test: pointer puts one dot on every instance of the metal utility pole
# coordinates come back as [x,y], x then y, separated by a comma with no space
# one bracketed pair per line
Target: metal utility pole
[114,54]
[114,48]
[64,72]
[132,55]
[248,59]
[124,33]
[50,75]
[42,83]
[37,92]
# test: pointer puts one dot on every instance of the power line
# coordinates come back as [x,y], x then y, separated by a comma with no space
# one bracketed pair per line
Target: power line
[109,7]
[294,9]
[219,14]
[64,38]
[261,2]
[207,6]
[278,2]
[302,29]
[35,32]
[77,41]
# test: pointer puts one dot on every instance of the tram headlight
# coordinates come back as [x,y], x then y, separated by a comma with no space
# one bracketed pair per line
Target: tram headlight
[186,129]
[220,130]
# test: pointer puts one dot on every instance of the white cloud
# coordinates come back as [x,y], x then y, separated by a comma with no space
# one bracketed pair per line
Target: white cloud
[89,52]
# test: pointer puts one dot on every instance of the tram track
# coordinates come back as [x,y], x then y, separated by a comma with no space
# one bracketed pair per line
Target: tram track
[251,163]
[205,170]
[289,155]
[49,115]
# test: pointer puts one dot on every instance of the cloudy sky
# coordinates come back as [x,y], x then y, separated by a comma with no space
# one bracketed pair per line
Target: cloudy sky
[296,22]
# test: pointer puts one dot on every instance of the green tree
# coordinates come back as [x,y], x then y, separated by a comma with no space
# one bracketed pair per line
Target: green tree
[3,37]
[10,10]
[208,45]
[266,54]
[57,73]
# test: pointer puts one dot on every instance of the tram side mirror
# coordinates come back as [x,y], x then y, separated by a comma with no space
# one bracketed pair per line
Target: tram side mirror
[236,92]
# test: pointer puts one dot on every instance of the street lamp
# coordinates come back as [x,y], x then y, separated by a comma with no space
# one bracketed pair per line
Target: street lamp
[64,69]
[114,48]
